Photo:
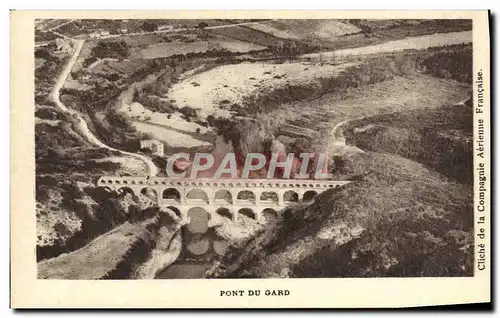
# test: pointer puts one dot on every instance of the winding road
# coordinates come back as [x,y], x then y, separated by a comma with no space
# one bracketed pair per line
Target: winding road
[337,131]
[183,29]
[82,126]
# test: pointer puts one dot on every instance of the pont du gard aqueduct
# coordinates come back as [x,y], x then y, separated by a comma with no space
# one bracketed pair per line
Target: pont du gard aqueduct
[253,198]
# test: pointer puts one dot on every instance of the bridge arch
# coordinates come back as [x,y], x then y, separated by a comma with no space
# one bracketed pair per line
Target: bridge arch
[106,189]
[175,210]
[309,196]
[124,190]
[197,195]
[270,215]
[246,196]
[269,197]
[223,195]
[220,247]
[171,194]
[224,212]
[248,213]
[150,193]
[290,196]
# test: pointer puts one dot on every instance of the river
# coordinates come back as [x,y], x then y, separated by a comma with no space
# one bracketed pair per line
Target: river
[82,127]
[183,270]
[201,246]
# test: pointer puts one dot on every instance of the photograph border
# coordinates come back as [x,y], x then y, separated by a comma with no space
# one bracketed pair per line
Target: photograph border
[29,292]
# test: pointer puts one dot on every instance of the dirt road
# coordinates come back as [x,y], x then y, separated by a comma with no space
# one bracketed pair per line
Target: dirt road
[60,25]
[82,125]
[337,133]
[181,29]
[408,43]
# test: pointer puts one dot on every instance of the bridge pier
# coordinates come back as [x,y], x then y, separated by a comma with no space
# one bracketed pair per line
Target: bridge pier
[280,199]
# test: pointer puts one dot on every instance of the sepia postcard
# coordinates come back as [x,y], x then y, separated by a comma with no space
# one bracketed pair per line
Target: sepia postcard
[250,159]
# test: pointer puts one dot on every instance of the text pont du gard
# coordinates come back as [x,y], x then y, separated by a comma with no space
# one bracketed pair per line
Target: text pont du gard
[255,292]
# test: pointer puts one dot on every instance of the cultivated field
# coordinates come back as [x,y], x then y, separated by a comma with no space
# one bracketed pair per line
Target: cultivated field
[411,43]
[82,28]
[113,66]
[306,30]
[173,138]
[172,48]
[246,34]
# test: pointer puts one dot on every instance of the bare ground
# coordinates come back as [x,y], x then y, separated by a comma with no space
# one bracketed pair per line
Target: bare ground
[105,256]
[398,94]
[213,91]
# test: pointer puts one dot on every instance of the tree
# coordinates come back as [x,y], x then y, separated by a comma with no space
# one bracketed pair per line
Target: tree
[113,77]
[278,47]
[111,49]
[202,25]
[292,48]
[43,53]
[149,26]
[210,120]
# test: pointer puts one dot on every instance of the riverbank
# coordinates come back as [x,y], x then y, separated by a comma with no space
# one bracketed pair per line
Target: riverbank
[167,250]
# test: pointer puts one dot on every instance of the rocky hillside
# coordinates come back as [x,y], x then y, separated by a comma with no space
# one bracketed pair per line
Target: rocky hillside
[120,253]
[408,211]
[397,219]
[439,138]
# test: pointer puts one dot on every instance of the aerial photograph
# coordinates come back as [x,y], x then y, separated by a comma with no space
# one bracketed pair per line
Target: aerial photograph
[253,148]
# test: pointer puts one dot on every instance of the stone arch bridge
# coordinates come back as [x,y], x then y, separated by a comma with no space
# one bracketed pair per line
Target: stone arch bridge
[254,198]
